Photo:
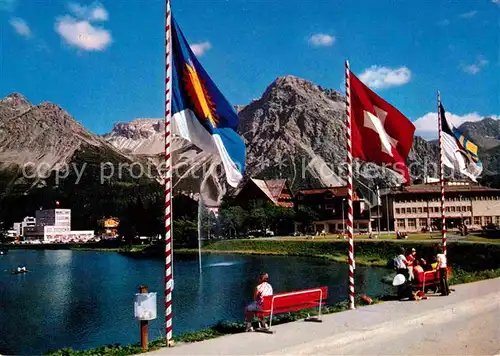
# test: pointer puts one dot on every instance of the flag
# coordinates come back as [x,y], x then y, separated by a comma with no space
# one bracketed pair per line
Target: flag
[380,133]
[459,153]
[200,113]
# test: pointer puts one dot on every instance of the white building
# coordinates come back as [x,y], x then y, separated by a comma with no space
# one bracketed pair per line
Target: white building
[19,227]
[54,225]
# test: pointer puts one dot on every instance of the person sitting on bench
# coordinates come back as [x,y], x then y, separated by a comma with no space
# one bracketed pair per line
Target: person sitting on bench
[263,289]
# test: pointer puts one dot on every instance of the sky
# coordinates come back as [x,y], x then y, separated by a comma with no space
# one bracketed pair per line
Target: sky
[103,61]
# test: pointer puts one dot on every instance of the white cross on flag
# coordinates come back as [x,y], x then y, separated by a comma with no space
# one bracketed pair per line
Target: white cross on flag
[380,133]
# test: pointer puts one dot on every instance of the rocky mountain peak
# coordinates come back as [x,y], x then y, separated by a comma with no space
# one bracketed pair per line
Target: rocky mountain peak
[13,105]
[293,90]
[485,133]
[139,136]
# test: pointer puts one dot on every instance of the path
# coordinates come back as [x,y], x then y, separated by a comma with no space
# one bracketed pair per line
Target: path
[466,322]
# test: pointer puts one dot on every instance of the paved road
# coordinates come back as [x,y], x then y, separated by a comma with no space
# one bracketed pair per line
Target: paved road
[465,323]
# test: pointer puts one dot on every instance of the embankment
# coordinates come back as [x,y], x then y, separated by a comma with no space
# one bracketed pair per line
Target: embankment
[468,256]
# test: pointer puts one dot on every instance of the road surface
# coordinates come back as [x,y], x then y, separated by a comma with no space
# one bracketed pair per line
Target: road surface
[465,323]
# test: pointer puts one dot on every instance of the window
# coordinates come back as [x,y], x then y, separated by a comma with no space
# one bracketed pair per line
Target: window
[414,210]
[469,208]
[397,210]
[419,210]
[447,208]
[408,210]
[436,209]
[425,210]
[422,222]
[452,209]
[401,223]
[497,220]
[464,208]
[412,223]
[487,220]
[477,220]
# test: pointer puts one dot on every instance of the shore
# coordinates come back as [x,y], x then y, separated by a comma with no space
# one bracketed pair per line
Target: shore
[410,328]
[470,262]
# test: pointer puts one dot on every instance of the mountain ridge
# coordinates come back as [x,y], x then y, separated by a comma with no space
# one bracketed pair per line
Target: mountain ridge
[295,130]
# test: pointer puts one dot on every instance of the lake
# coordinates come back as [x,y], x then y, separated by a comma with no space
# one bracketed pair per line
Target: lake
[83,299]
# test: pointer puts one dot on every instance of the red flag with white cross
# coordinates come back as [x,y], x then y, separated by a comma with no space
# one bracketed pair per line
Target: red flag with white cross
[380,133]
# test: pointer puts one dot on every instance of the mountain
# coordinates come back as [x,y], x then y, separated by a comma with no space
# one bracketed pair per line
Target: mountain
[47,156]
[295,131]
[484,133]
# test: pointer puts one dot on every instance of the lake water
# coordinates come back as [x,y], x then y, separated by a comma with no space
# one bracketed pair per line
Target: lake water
[84,299]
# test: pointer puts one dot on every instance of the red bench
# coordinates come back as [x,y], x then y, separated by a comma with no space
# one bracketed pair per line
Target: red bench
[293,301]
[428,279]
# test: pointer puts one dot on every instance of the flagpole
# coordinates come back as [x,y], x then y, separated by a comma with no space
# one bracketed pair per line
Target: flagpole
[441,174]
[167,178]
[349,186]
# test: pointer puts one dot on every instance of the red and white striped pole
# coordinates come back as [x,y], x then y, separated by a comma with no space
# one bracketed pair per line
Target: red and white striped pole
[441,175]
[350,219]
[167,178]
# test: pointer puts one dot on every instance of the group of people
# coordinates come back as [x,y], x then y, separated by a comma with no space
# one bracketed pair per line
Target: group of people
[409,265]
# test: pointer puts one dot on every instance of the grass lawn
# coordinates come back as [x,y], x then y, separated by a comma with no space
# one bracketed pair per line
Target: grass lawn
[382,236]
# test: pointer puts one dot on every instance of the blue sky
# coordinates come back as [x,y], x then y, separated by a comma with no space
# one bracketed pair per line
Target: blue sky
[103,61]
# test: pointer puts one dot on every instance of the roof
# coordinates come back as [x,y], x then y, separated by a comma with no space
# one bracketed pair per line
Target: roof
[337,191]
[272,188]
[436,188]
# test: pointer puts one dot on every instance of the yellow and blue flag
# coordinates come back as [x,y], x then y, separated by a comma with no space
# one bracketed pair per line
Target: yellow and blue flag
[200,113]
[459,153]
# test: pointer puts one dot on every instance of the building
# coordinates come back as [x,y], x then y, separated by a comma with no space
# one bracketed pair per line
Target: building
[109,227]
[54,225]
[329,206]
[275,191]
[418,207]
[19,227]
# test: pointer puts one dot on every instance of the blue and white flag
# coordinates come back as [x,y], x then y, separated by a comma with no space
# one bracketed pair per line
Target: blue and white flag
[200,113]
[459,153]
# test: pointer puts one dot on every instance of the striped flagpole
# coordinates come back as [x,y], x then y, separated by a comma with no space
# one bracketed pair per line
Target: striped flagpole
[441,175]
[167,179]
[349,186]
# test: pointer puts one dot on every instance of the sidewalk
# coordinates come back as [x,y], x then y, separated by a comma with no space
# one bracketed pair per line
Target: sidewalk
[379,329]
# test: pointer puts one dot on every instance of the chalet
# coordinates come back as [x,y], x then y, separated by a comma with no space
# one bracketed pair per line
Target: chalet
[329,206]
[275,191]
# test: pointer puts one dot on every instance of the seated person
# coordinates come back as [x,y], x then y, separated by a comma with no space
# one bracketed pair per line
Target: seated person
[417,268]
[263,289]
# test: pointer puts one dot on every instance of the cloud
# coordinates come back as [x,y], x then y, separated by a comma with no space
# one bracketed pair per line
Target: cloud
[472,69]
[382,77]
[426,126]
[496,2]
[82,34]
[444,22]
[468,15]
[21,27]
[94,12]
[200,48]
[321,40]
[476,67]
[7,5]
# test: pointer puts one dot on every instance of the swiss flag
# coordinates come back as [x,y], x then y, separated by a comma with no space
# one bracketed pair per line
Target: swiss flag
[380,133]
